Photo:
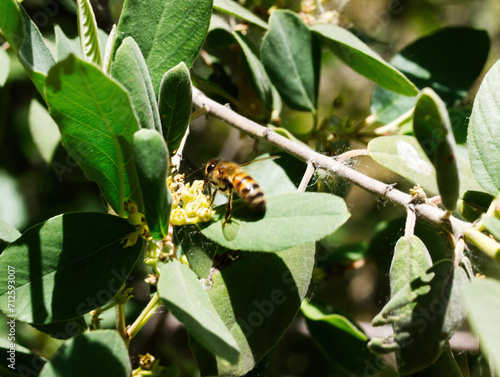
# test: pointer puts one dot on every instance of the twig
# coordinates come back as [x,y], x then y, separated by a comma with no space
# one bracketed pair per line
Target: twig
[307,177]
[424,211]
[145,315]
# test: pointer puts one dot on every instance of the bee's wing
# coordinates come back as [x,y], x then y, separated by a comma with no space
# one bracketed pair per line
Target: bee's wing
[260,159]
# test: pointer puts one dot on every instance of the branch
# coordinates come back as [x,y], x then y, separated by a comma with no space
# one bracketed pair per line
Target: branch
[384,191]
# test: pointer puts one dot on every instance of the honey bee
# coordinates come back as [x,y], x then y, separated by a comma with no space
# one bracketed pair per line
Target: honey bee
[227,176]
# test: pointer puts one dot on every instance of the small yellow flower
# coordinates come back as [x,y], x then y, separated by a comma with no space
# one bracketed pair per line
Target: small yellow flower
[190,204]
[138,220]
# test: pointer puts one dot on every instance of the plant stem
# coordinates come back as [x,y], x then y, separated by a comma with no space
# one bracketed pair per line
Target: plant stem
[430,213]
[120,322]
[483,242]
[307,177]
[144,317]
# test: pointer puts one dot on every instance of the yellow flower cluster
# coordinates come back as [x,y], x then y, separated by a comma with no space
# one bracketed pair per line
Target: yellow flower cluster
[189,204]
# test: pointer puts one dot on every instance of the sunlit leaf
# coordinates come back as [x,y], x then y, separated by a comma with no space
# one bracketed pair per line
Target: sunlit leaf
[175,104]
[87,30]
[290,53]
[97,121]
[44,130]
[235,9]
[26,41]
[432,128]
[483,304]
[492,224]
[357,55]
[183,294]
[151,161]
[167,31]
[404,156]
[318,215]
[483,140]
[129,67]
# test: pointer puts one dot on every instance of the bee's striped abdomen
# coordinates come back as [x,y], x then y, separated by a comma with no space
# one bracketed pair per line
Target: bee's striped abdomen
[249,190]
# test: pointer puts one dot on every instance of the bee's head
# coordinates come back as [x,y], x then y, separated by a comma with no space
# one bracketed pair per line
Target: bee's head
[211,165]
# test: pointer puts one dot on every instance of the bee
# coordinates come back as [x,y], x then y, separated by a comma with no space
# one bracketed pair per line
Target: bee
[227,176]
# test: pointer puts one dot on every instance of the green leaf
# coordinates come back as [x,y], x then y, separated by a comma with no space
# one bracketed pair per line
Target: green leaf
[435,301]
[482,299]
[197,248]
[183,294]
[24,363]
[290,53]
[260,80]
[436,61]
[67,266]
[26,41]
[474,204]
[275,176]
[97,121]
[483,140]
[4,66]
[404,156]
[63,329]
[151,161]
[108,50]
[446,365]
[492,224]
[8,234]
[235,9]
[44,130]
[257,296]
[129,67]
[364,60]
[344,344]
[96,353]
[175,103]
[411,259]
[432,128]
[318,215]
[66,46]
[167,31]
[87,30]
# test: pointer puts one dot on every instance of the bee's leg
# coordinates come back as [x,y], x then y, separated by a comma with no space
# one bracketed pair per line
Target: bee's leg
[212,197]
[228,207]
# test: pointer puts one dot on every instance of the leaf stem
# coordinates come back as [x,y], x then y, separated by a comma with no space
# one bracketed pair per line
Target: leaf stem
[394,125]
[411,220]
[307,177]
[352,153]
[144,317]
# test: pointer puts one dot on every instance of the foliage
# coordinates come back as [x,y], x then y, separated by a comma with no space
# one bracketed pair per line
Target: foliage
[123,104]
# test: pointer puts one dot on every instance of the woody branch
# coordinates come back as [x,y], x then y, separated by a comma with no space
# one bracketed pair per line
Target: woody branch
[387,192]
